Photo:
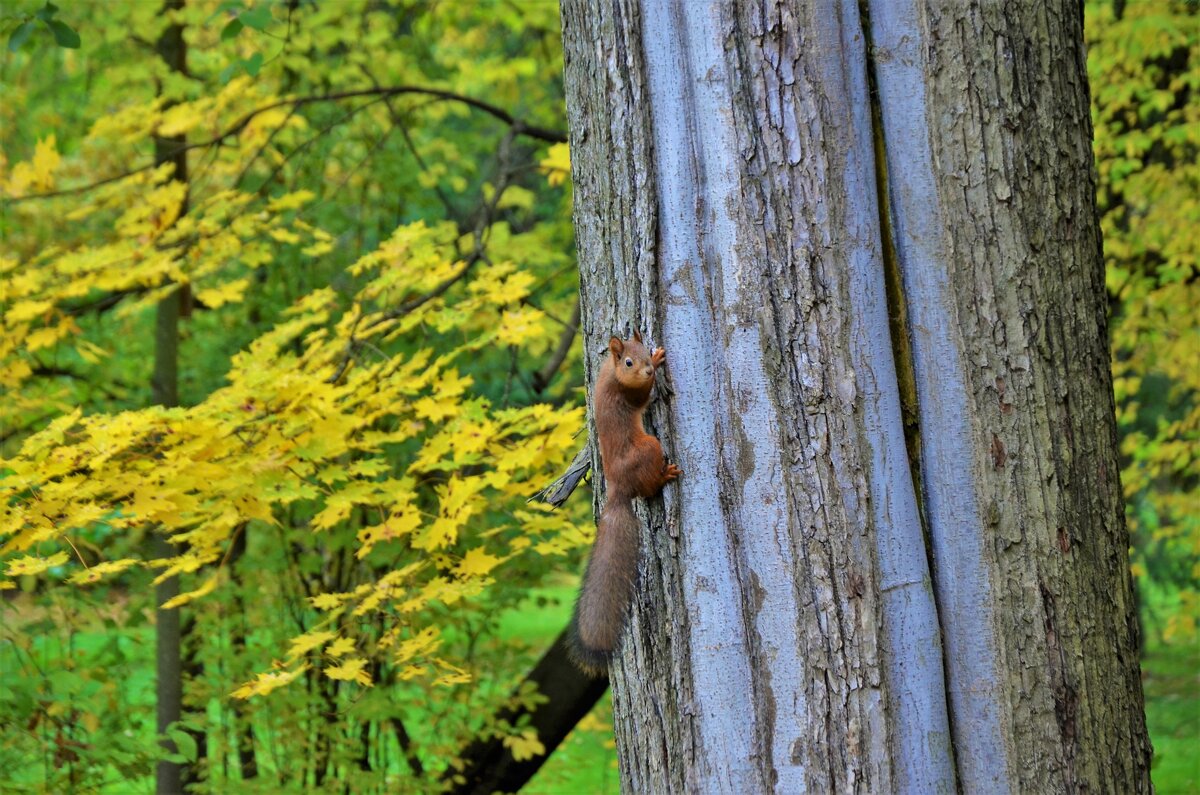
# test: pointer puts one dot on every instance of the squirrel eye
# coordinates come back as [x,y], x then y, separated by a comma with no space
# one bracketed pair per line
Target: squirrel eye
[628,362]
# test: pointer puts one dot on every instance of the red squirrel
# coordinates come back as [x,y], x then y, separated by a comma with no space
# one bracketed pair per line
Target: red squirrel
[633,467]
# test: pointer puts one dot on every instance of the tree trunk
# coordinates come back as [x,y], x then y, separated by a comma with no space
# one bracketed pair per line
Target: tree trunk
[999,247]
[169,776]
[785,636]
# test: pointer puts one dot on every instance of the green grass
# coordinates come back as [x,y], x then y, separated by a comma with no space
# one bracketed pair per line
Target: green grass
[1171,678]
[586,761]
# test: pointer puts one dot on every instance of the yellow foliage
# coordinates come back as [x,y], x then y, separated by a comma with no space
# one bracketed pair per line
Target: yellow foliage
[31,564]
[209,585]
[477,563]
[556,165]
[264,683]
[351,670]
[305,643]
[340,647]
[524,745]
[284,433]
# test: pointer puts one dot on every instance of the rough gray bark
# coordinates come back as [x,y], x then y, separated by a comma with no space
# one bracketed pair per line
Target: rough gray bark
[786,638]
[785,635]
[988,137]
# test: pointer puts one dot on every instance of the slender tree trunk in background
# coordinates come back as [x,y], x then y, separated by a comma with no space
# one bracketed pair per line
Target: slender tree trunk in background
[727,202]
[169,776]
[243,727]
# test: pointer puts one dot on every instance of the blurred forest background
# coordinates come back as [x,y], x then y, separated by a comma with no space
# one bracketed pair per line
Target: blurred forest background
[362,281]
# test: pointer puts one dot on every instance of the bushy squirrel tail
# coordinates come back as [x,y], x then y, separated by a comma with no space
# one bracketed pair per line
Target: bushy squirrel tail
[603,606]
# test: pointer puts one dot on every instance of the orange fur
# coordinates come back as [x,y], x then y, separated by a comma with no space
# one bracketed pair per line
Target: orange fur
[633,467]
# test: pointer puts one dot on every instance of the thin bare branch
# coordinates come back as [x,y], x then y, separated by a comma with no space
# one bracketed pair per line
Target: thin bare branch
[516,126]
[542,378]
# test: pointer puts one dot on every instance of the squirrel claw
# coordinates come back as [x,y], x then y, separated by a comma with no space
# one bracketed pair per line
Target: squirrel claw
[671,471]
[658,358]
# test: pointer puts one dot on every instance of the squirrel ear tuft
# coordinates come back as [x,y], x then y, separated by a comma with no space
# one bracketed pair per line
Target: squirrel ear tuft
[637,336]
[616,346]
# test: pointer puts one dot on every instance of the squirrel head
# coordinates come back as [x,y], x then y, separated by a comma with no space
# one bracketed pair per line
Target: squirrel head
[631,362]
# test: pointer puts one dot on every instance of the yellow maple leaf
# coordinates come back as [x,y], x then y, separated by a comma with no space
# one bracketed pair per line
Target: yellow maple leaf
[340,647]
[100,570]
[90,352]
[435,408]
[525,745]
[227,293]
[520,325]
[328,601]
[410,672]
[26,310]
[264,683]
[309,641]
[284,236]
[440,533]
[424,642]
[451,674]
[320,248]
[184,598]
[46,336]
[476,563]
[556,165]
[31,564]
[469,437]
[291,201]
[352,670]
[179,119]
[45,160]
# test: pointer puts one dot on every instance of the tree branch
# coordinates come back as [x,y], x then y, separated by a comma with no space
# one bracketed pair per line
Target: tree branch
[517,126]
[487,766]
[487,212]
[541,379]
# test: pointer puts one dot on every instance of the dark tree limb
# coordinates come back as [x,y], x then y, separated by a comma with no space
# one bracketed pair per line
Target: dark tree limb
[517,126]
[542,378]
[487,766]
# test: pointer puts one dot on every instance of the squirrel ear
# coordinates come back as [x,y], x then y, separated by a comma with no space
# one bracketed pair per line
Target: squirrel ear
[637,337]
[616,346]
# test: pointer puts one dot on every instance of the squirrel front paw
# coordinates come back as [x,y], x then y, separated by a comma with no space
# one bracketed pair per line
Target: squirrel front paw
[670,472]
[658,358]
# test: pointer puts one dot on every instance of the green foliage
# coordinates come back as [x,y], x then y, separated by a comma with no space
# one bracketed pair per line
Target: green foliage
[64,34]
[1145,74]
[1170,676]
[374,258]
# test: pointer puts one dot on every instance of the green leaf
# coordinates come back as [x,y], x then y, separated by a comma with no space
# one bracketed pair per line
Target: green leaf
[19,36]
[253,64]
[231,30]
[184,743]
[258,17]
[64,35]
[225,8]
[47,12]
[64,683]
